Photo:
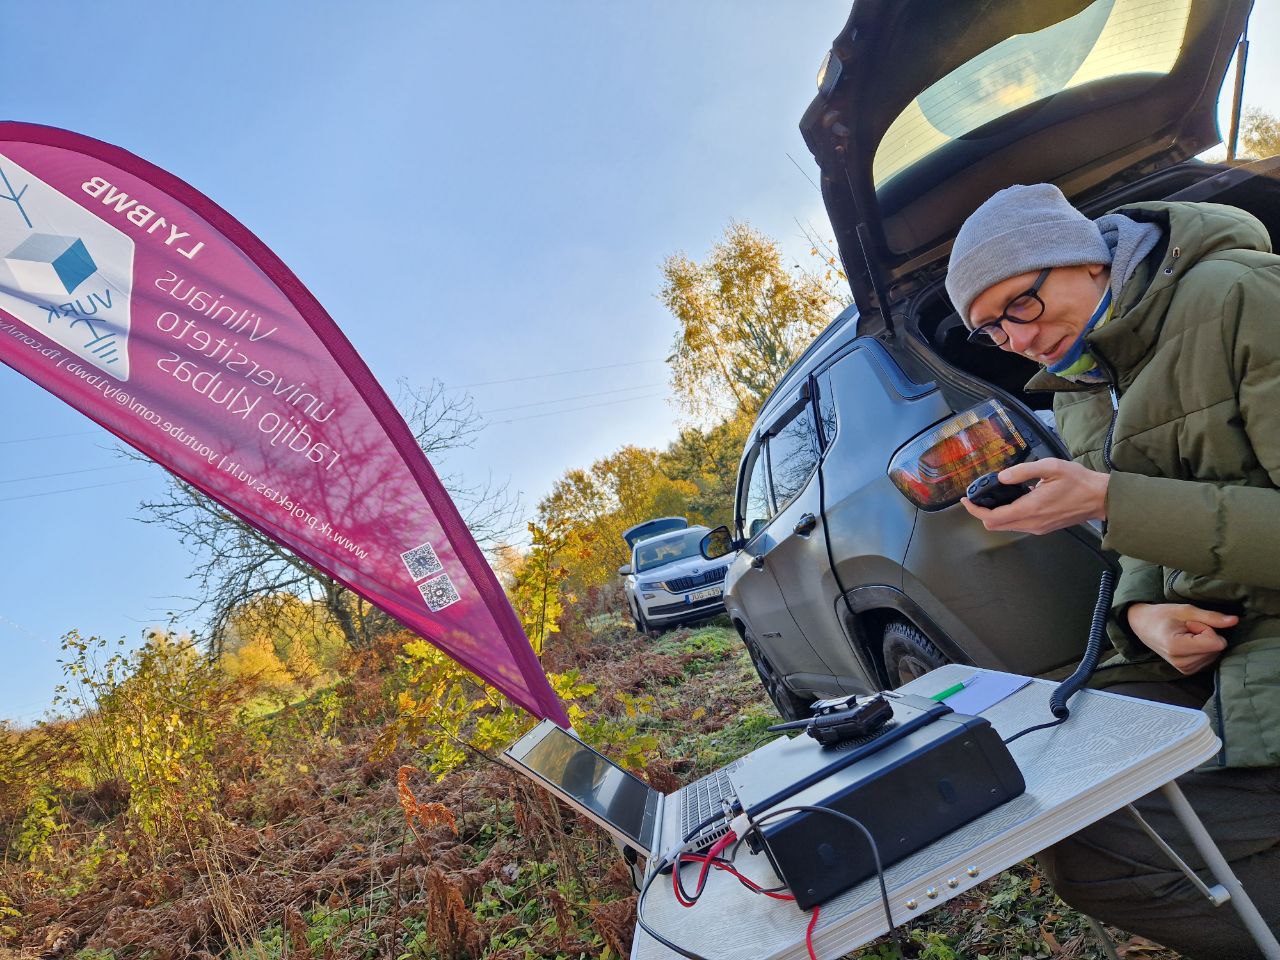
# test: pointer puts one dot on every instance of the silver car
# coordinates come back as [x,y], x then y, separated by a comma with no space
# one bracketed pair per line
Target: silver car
[667,582]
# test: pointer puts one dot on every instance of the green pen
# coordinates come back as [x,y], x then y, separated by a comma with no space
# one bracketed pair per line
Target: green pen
[951,691]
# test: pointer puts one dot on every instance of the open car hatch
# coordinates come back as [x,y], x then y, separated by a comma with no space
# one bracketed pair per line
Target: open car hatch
[927,107]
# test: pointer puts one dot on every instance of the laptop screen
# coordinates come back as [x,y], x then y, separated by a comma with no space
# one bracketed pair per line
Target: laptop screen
[606,790]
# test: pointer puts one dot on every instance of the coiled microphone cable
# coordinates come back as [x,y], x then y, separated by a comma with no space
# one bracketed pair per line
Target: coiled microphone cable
[1088,663]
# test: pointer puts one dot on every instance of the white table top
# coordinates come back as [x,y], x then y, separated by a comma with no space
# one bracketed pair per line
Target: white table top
[1111,751]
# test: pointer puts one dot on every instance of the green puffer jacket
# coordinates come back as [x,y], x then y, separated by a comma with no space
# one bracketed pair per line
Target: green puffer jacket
[1193,504]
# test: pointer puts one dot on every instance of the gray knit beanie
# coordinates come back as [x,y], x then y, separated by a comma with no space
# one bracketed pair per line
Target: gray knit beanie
[1018,230]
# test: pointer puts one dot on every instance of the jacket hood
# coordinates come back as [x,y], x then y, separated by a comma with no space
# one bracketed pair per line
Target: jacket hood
[1192,232]
[1199,230]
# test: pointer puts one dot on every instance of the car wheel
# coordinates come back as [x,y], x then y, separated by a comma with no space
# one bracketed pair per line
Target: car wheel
[909,654]
[789,706]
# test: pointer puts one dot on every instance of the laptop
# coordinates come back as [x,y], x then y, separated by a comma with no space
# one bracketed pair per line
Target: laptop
[634,813]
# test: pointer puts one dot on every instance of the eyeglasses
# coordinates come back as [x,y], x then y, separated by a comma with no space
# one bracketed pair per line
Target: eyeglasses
[1024,308]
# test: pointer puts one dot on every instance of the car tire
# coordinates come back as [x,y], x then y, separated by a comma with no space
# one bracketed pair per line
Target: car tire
[909,654]
[644,626]
[789,705]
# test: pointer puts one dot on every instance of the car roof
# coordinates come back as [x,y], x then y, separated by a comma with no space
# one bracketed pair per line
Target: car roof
[833,336]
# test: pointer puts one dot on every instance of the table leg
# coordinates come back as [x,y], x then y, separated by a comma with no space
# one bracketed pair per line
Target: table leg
[1104,938]
[1222,871]
[1217,895]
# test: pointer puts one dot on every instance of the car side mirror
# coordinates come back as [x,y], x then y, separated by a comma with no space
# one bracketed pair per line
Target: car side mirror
[716,544]
[624,570]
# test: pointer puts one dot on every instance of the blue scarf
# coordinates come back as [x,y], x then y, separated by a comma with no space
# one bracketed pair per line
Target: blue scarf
[1078,363]
[1129,242]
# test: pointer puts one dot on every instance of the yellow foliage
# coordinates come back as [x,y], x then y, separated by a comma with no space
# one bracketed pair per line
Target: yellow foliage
[591,508]
[255,660]
[282,643]
[148,720]
[1259,134]
[446,710]
[743,320]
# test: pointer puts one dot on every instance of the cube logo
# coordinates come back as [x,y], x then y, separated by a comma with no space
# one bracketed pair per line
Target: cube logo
[43,261]
[64,272]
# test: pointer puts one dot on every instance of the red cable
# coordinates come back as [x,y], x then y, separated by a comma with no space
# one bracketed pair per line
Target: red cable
[709,860]
[750,884]
[675,884]
[719,845]
[808,934]
[706,862]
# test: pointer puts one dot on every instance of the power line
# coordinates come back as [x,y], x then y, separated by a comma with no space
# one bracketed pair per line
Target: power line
[66,473]
[51,436]
[589,406]
[25,713]
[558,373]
[13,625]
[51,493]
[804,172]
[581,396]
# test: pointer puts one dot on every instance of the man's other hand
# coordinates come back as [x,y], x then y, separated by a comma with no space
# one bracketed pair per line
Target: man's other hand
[1065,495]
[1181,633]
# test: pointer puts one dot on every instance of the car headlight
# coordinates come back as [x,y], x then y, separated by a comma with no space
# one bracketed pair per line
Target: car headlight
[653,585]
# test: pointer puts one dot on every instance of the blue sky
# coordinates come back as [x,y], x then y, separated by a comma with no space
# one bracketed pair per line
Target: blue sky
[477,192]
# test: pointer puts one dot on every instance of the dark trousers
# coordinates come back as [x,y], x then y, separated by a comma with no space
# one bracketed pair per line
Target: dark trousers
[1112,871]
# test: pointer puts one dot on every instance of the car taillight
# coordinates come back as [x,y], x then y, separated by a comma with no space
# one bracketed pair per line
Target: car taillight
[935,468]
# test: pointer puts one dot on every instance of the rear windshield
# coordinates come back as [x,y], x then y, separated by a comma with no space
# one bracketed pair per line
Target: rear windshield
[654,553]
[1108,38]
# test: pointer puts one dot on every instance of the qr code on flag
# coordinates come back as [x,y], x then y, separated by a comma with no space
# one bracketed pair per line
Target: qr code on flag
[439,593]
[422,562]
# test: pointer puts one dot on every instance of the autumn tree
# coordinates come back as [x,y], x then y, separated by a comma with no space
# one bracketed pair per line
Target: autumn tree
[532,579]
[743,320]
[1259,134]
[594,506]
[281,643]
[237,565]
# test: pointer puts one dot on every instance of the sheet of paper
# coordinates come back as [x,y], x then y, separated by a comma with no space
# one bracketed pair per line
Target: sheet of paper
[985,690]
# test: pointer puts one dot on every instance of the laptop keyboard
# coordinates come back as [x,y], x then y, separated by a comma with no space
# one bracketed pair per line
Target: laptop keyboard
[703,798]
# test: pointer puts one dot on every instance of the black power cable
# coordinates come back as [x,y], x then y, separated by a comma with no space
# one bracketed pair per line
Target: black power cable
[875,852]
[797,808]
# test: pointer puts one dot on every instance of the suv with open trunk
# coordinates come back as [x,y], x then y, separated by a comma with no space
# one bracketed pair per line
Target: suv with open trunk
[857,569]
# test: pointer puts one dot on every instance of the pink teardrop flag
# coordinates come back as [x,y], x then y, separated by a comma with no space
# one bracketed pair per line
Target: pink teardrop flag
[150,309]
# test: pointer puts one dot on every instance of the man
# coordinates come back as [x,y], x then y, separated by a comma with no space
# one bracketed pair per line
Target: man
[1159,330]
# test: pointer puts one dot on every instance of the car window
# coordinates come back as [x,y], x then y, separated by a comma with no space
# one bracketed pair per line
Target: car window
[1107,38]
[793,453]
[827,420]
[654,553]
[756,508]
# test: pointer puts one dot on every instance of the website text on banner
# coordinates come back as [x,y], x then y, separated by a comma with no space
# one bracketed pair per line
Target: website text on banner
[147,307]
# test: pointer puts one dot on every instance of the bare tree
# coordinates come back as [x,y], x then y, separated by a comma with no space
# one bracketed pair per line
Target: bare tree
[237,567]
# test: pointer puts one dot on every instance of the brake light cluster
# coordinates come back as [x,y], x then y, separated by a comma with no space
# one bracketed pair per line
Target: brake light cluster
[935,468]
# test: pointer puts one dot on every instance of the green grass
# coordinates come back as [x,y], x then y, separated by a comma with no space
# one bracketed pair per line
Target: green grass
[711,640]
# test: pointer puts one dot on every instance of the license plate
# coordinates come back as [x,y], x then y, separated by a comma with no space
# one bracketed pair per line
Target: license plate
[706,594]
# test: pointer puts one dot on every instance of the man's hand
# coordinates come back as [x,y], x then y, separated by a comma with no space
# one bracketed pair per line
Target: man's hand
[1066,494]
[1181,633]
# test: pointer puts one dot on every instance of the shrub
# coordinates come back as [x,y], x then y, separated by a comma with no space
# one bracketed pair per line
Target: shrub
[149,720]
